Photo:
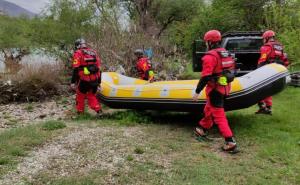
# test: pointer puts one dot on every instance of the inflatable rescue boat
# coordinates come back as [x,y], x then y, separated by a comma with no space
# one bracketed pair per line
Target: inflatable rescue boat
[122,92]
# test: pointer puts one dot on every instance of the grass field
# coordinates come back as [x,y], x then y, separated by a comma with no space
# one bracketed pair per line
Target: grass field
[159,148]
[17,143]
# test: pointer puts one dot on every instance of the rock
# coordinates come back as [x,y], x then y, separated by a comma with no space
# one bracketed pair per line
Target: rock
[162,74]
[42,116]
[41,92]
[121,70]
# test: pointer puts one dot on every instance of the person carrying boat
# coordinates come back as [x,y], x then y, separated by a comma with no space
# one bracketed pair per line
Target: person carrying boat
[143,66]
[217,73]
[86,76]
[270,52]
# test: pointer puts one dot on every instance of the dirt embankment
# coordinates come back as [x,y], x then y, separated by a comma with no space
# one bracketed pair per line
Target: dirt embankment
[29,91]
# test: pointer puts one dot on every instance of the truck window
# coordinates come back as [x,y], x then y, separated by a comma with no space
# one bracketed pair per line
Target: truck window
[244,44]
[200,45]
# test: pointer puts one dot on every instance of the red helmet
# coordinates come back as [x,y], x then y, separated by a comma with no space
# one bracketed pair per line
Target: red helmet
[268,34]
[212,36]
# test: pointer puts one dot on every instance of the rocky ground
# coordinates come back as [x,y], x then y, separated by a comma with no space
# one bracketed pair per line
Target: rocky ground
[80,151]
[21,114]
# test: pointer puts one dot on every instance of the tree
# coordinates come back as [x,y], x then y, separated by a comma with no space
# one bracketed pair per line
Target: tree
[155,16]
[14,38]
[284,19]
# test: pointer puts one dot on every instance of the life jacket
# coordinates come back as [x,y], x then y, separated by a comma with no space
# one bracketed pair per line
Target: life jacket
[277,54]
[89,66]
[224,72]
[144,68]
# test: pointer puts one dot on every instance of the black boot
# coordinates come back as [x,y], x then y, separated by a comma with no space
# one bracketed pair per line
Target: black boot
[99,114]
[269,110]
[262,108]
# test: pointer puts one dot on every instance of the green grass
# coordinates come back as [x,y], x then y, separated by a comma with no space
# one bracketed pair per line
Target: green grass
[130,117]
[53,125]
[270,150]
[17,142]
[120,118]
[93,178]
[138,150]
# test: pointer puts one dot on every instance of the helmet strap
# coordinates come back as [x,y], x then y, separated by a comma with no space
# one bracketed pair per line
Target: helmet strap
[269,39]
[213,45]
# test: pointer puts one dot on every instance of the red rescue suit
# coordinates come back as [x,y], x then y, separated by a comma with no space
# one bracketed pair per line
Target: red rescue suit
[143,67]
[215,93]
[272,52]
[86,65]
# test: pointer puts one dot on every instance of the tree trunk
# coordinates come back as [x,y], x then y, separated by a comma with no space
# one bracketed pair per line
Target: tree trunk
[11,61]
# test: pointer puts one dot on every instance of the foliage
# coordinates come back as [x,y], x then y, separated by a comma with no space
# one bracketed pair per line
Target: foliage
[68,20]
[154,17]
[116,28]
[290,39]
[244,15]
[14,32]
[218,15]
[285,20]
[167,13]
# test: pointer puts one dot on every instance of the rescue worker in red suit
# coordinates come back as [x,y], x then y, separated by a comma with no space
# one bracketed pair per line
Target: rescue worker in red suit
[143,66]
[213,65]
[270,52]
[86,76]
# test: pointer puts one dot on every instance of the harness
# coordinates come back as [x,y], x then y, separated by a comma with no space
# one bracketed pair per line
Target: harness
[89,70]
[224,71]
[276,55]
[144,69]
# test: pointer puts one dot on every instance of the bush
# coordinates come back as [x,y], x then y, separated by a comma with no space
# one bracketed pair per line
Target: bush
[32,83]
[290,39]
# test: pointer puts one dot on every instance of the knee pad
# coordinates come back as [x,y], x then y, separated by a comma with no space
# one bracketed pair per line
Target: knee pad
[216,99]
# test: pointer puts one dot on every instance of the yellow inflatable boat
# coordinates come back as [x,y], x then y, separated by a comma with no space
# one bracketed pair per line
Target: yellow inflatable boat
[122,92]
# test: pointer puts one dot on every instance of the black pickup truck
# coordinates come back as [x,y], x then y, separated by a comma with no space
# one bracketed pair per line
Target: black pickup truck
[245,47]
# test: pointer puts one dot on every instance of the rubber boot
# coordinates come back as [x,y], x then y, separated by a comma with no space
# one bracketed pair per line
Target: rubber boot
[201,134]
[269,110]
[230,146]
[262,108]
[99,114]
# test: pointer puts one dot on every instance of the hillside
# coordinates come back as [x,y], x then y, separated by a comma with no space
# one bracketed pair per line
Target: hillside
[13,10]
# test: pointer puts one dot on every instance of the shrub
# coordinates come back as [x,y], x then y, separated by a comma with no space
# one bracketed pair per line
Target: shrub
[32,83]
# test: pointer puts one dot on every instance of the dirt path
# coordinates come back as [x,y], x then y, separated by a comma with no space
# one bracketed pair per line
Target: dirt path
[17,115]
[82,150]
